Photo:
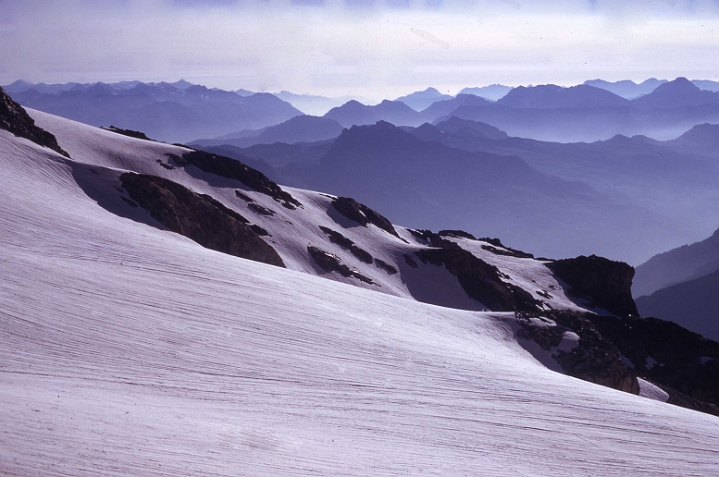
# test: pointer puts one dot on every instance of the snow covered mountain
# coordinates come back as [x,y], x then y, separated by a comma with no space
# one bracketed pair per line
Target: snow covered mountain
[133,342]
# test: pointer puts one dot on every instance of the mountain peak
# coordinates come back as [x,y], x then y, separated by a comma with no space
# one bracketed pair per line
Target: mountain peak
[679,85]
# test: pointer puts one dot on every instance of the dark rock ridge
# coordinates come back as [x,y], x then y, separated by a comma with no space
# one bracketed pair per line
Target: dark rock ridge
[331,263]
[362,214]
[595,359]
[128,132]
[15,119]
[234,169]
[683,363]
[497,249]
[363,255]
[480,280]
[344,242]
[199,217]
[606,283]
[385,266]
[692,304]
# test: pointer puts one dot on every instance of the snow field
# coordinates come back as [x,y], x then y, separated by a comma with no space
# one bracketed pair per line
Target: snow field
[129,350]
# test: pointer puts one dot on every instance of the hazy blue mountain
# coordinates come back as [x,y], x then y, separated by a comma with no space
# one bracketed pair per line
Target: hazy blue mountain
[433,186]
[676,94]
[463,127]
[312,104]
[173,113]
[421,100]
[281,154]
[21,86]
[702,139]
[297,129]
[585,113]
[707,85]
[354,113]
[693,304]
[670,180]
[626,88]
[555,97]
[492,92]
[447,107]
[681,264]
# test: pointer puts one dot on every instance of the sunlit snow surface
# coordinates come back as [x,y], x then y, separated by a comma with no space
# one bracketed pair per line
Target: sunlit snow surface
[128,350]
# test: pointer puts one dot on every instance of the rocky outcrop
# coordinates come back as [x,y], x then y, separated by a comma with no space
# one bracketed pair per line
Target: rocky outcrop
[344,242]
[385,266]
[199,217]
[332,263]
[129,133]
[480,280]
[362,214]
[15,119]
[605,283]
[683,363]
[234,169]
[594,359]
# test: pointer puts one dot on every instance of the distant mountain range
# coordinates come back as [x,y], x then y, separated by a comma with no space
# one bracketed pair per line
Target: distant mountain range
[177,112]
[681,286]
[630,90]
[670,182]
[419,178]
[313,104]
[492,92]
[423,99]
[184,112]
[294,130]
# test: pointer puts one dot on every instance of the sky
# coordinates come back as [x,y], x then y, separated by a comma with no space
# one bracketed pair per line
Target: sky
[369,48]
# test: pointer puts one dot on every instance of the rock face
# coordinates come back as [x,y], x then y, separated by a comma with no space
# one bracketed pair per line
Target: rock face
[344,242]
[606,283]
[683,363]
[129,133]
[199,217]
[331,263]
[480,280]
[234,169]
[595,358]
[362,214]
[15,119]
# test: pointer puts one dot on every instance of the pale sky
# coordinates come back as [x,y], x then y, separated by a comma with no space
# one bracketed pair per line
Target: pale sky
[376,49]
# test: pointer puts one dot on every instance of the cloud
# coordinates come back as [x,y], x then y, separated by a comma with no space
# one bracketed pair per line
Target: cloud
[366,47]
[430,37]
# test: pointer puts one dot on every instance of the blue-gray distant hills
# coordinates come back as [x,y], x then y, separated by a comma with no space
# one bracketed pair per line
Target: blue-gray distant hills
[626,88]
[432,185]
[553,113]
[176,112]
[184,112]
[672,183]
[682,285]
[493,92]
[586,113]
[421,100]
[294,130]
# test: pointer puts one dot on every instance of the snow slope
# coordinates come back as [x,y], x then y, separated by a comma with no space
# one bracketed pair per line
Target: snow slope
[291,231]
[126,349]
